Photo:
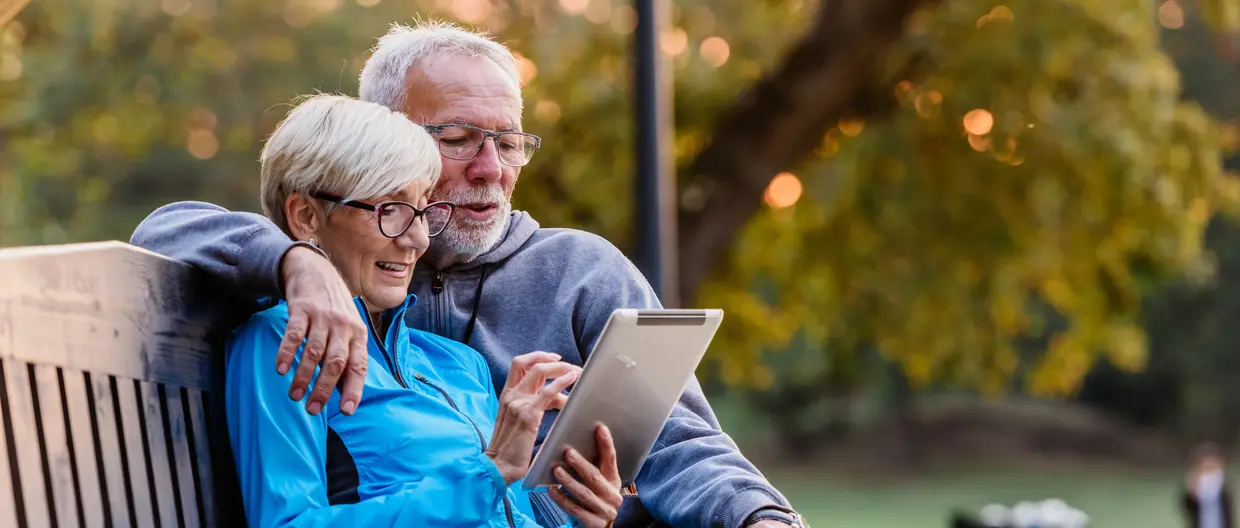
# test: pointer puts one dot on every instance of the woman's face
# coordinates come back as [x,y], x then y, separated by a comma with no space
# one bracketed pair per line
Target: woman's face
[375,267]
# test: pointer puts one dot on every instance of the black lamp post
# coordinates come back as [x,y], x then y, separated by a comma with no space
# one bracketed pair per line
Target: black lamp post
[655,198]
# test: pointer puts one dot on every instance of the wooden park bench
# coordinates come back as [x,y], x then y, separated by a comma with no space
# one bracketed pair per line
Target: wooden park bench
[110,384]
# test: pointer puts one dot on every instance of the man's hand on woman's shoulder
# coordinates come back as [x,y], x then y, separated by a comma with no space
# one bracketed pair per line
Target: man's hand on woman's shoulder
[321,311]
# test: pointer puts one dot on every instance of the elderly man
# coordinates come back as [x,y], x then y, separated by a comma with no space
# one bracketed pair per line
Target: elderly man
[494,280]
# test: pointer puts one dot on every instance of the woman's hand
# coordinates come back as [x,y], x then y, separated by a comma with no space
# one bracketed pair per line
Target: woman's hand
[595,492]
[522,403]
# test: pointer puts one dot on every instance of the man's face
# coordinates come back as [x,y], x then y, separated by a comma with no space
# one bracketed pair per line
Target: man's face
[450,88]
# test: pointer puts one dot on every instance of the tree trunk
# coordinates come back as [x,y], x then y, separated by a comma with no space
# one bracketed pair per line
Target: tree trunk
[829,75]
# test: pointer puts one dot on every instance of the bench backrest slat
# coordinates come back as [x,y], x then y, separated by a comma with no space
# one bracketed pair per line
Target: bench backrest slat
[110,359]
[79,408]
[25,455]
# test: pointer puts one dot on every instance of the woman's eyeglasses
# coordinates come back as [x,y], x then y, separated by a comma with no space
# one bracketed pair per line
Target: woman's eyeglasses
[394,218]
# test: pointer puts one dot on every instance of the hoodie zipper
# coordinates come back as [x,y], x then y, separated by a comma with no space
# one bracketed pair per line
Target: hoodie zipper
[481,439]
[437,321]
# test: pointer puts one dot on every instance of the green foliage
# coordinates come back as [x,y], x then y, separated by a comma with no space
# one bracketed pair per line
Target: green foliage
[1044,155]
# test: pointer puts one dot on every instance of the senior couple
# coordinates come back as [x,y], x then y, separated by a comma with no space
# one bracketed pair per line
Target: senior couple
[367,391]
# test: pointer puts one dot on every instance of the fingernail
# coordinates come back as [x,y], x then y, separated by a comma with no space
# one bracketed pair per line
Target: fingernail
[282,368]
[298,393]
[349,407]
[572,453]
[315,407]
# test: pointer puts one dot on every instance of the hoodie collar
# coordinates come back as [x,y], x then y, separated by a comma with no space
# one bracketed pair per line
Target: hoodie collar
[521,226]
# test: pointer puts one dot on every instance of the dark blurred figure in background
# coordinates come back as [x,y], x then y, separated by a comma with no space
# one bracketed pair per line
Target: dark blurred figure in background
[1207,500]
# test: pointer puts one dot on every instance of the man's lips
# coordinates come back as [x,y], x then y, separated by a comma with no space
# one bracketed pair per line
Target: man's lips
[480,211]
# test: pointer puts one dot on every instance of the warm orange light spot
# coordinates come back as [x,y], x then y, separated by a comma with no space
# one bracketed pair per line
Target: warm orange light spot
[927,103]
[851,128]
[979,143]
[472,11]
[783,191]
[715,50]
[598,11]
[547,112]
[574,6]
[526,68]
[1171,15]
[903,88]
[1001,12]
[978,122]
[202,144]
[674,42]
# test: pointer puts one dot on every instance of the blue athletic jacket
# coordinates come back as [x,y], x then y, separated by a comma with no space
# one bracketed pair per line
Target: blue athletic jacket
[413,454]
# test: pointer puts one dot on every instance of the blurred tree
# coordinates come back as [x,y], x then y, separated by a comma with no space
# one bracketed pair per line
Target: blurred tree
[1036,150]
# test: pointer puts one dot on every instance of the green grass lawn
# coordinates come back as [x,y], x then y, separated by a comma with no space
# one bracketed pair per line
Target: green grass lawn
[1129,500]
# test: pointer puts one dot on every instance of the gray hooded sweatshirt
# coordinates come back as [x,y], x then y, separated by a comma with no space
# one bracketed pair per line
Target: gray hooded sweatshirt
[538,289]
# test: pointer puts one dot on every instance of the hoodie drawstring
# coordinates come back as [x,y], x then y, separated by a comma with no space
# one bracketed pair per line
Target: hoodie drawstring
[473,316]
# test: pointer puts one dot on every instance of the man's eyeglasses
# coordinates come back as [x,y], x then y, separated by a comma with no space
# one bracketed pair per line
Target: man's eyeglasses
[463,142]
[394,218]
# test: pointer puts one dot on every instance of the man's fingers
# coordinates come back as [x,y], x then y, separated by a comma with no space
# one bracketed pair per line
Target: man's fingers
[568,505]
[311,355]
[354,377]
[607,455]
[294,334]
[602,492]
[523,363]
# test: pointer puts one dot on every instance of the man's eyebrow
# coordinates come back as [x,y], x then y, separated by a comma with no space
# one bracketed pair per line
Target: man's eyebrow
[462,121]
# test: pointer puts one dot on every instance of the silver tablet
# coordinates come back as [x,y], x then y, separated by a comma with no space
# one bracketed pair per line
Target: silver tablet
[631,381]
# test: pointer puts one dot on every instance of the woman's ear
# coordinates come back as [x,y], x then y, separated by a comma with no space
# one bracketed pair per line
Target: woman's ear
[304,215]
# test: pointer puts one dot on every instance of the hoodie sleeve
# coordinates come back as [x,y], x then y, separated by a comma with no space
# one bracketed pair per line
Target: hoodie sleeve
[242,250]
[695,475]
[280,452]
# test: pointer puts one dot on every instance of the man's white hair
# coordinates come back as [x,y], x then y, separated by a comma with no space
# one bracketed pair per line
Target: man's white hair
[340,145]
[384,76]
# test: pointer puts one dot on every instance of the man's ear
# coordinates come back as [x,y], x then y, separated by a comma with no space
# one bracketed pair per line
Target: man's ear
[304,215]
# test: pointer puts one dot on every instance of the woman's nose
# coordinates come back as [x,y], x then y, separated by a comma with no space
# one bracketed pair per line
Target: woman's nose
[416,237]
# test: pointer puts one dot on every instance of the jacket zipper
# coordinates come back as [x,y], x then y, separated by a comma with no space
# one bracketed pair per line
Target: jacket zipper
[481,440]
[391,358]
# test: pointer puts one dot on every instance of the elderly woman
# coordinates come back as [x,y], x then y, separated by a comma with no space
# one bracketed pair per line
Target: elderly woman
[429,444]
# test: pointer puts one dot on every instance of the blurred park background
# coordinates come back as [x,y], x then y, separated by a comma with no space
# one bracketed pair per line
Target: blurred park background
[971,251]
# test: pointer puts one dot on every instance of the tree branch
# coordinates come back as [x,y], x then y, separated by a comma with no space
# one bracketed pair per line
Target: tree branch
[829,75]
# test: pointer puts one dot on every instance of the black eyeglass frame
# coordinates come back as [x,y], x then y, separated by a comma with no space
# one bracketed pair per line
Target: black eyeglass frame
[376,207]
[435,130]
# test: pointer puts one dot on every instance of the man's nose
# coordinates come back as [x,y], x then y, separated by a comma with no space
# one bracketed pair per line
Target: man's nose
[485,167]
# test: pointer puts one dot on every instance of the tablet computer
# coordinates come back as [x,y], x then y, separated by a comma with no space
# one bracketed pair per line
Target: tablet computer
[631,381]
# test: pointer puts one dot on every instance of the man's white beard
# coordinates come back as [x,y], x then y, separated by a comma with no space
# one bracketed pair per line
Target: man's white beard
[465,238]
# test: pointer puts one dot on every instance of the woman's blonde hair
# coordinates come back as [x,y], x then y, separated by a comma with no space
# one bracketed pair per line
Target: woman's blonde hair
[350,148]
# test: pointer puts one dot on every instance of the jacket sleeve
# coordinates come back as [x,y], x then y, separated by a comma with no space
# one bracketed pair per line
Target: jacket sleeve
[695,474]
[280,452]
[241,250]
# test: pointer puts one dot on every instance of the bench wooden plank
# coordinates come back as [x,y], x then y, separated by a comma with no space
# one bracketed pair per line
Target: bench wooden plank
[90,482]
[8,506]
[29,463]
[108,307]
[56,445]
[178,431]
[113,463]
[202,455]
[157,452]
[134,452]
